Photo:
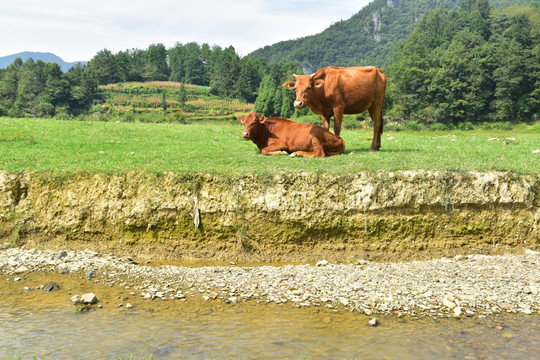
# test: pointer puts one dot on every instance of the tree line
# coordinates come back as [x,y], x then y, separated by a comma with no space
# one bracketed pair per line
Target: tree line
[35,88]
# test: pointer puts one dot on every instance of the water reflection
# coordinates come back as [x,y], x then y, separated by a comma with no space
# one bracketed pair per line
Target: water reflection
[259,333]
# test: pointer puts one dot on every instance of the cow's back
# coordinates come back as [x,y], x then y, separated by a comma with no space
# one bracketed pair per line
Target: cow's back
[353,87]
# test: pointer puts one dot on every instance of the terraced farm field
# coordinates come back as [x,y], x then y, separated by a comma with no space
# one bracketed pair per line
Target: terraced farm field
[161,101]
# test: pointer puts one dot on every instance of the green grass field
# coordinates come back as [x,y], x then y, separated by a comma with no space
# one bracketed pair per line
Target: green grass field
[67,147]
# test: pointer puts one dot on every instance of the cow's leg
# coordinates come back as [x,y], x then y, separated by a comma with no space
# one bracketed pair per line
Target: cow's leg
[318,150]
[375,112]
[338,118]
[274,149]
[325,121]
[278,152]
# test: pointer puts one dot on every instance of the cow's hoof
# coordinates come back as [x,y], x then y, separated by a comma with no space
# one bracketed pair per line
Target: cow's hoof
[293,155]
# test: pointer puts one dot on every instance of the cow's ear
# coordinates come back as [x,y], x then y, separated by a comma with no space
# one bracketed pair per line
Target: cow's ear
[319,83]
[262,119]
[241,119]
[289,84]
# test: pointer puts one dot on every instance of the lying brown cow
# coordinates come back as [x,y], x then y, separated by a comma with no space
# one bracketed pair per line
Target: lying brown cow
[278,136]
[334,91]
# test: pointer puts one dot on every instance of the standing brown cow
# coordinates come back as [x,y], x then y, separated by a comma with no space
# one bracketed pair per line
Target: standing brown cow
[334,91]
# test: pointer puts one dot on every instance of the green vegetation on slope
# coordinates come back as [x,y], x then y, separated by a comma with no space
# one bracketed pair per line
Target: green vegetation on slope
[163,101]
[471,65]
[112,147]
[38,89]
[367,38]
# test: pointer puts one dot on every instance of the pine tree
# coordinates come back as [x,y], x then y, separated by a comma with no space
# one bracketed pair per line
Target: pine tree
[182,95]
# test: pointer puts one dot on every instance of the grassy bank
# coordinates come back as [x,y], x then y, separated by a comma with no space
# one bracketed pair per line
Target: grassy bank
[73,146]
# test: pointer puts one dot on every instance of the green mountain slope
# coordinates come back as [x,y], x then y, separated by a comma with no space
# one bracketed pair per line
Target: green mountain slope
[367,38]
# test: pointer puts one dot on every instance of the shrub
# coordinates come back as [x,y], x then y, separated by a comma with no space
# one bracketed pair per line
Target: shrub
[414,126]
[497,125]
[467,126]
[44,109]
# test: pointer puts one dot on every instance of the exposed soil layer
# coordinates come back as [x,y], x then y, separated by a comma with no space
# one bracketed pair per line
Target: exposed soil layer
[302,217]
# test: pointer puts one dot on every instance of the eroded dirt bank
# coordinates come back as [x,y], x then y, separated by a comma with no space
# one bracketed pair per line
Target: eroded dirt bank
[287,217]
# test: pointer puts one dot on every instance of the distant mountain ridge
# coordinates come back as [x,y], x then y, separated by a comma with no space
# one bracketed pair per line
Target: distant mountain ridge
[5,61]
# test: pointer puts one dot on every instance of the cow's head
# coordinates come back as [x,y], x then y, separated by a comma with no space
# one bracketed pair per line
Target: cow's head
[252,124]
[304,84]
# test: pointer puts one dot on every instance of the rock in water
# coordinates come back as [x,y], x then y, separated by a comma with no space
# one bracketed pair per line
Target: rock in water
[51,286]
[374,322]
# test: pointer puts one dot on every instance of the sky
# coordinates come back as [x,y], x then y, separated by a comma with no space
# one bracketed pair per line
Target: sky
[77,30]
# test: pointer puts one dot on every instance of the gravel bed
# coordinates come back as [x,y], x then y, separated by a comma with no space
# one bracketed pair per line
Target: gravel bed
[471,285]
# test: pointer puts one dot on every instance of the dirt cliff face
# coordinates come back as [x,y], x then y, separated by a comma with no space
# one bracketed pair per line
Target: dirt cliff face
[291,217]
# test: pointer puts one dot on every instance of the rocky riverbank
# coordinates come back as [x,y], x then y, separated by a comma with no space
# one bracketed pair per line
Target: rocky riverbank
[304,217]
[470,285]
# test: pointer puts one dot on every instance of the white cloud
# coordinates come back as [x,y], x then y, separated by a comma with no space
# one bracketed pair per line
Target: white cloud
[77,30]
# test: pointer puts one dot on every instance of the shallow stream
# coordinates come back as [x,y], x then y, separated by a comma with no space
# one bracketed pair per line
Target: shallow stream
[257,332]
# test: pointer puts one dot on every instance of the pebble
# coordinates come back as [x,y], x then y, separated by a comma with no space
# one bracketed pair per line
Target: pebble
[21,269]
[322,263]
[470,285]
[373,322]
[448,303]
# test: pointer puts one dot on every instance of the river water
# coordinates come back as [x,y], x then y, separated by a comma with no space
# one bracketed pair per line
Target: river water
[257,332]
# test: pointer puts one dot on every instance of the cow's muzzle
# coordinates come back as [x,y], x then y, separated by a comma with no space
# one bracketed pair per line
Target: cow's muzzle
[300,104]
[246,136]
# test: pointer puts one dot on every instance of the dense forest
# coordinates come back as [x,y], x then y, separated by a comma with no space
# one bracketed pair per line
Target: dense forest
[469,66]
[464,62]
